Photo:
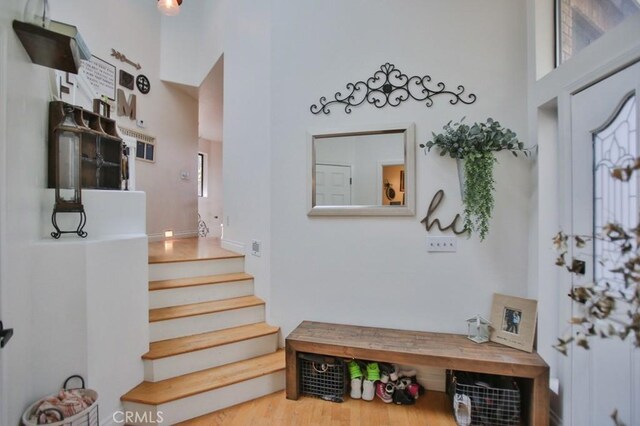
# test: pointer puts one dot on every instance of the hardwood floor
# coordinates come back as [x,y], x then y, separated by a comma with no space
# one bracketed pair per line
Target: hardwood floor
[432,409]
[186,249]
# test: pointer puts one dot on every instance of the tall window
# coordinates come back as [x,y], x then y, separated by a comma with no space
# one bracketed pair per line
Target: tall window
[201,173]
[580,22]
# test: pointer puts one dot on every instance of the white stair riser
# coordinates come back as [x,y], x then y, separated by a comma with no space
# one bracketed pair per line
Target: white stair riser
[169,329]
[199,293]
[206,402]
[170,271]
[165,368]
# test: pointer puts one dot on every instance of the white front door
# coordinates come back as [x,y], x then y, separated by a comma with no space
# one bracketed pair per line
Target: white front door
[333,185]
[604,122]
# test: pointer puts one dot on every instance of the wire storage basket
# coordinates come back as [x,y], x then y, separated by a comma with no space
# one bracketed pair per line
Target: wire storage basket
[34,415]
[484,399]
[322,377]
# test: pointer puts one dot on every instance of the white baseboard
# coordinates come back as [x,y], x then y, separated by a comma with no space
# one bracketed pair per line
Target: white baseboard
[232,246]
[180,234]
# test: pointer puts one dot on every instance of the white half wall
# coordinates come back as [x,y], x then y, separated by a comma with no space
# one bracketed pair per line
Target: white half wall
[89,303]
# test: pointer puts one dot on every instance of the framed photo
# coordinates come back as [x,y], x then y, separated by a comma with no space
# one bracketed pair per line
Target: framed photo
[513,321]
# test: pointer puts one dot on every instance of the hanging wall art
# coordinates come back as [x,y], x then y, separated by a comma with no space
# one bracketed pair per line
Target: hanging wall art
[389,86]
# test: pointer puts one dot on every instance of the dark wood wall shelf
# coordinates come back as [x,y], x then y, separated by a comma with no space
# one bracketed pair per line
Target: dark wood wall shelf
[60,46]
[101,148]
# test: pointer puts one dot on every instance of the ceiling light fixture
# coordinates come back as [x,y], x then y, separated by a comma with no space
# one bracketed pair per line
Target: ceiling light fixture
[169,7]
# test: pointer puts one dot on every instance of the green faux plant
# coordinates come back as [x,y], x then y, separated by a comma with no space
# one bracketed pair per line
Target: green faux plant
[475,145]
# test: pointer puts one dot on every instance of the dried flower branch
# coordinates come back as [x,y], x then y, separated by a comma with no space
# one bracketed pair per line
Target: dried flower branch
[611,305]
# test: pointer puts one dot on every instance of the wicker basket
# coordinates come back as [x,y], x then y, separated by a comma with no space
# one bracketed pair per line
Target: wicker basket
[87,417]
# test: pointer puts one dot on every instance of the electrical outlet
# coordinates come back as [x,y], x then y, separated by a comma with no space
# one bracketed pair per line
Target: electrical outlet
[255,248]
[447,244]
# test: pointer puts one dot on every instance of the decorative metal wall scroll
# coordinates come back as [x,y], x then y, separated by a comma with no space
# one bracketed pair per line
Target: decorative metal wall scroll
[389,86]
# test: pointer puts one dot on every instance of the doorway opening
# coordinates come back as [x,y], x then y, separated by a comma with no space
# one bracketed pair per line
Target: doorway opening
[391,192]
[209,156]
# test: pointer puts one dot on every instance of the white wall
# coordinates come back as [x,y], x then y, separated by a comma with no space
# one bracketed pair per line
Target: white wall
[76,305]
[247,134]
[193,42]
[376,271]
[280,57]
[170,115]
[23,88]
[210,207]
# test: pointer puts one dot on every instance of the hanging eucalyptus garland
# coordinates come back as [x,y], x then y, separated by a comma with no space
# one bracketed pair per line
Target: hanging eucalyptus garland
[475,145]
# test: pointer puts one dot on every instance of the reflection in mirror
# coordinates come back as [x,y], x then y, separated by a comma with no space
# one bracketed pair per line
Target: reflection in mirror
[368,171]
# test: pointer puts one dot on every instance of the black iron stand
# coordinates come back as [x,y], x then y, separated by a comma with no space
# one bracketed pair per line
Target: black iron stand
[79,230]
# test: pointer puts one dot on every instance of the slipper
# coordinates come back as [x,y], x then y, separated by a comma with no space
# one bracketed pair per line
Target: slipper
[462,409]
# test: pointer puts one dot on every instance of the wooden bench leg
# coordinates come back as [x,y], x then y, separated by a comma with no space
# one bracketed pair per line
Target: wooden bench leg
[539,413]
[292,375]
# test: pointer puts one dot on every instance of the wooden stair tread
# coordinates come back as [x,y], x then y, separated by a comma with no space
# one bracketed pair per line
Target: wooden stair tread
[156,393]
[193,309]
[195,281]
[188,250]
[182,345]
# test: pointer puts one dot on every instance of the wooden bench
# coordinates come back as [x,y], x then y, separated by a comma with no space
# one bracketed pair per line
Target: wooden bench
[449,351]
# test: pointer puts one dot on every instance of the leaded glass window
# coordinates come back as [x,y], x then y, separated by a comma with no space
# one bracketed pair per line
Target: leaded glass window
[580,22]
[615,145]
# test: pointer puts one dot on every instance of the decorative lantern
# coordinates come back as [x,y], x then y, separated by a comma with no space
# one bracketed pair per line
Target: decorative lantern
[67,136]
[478,329]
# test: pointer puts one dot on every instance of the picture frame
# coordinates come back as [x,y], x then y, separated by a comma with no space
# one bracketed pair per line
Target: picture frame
[514,321]
[101,75]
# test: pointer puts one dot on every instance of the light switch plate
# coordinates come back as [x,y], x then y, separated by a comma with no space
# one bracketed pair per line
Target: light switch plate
[442,244]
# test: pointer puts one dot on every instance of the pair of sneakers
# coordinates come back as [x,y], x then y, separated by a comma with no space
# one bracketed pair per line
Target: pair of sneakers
[363,379]
[399,386]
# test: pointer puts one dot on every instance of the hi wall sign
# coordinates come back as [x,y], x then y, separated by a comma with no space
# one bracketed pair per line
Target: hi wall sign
[431,220]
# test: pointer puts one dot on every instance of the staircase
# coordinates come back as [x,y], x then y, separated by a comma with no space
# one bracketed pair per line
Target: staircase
[210,347]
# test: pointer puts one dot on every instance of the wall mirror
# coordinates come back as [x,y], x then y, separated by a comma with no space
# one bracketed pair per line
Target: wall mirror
[364,171]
